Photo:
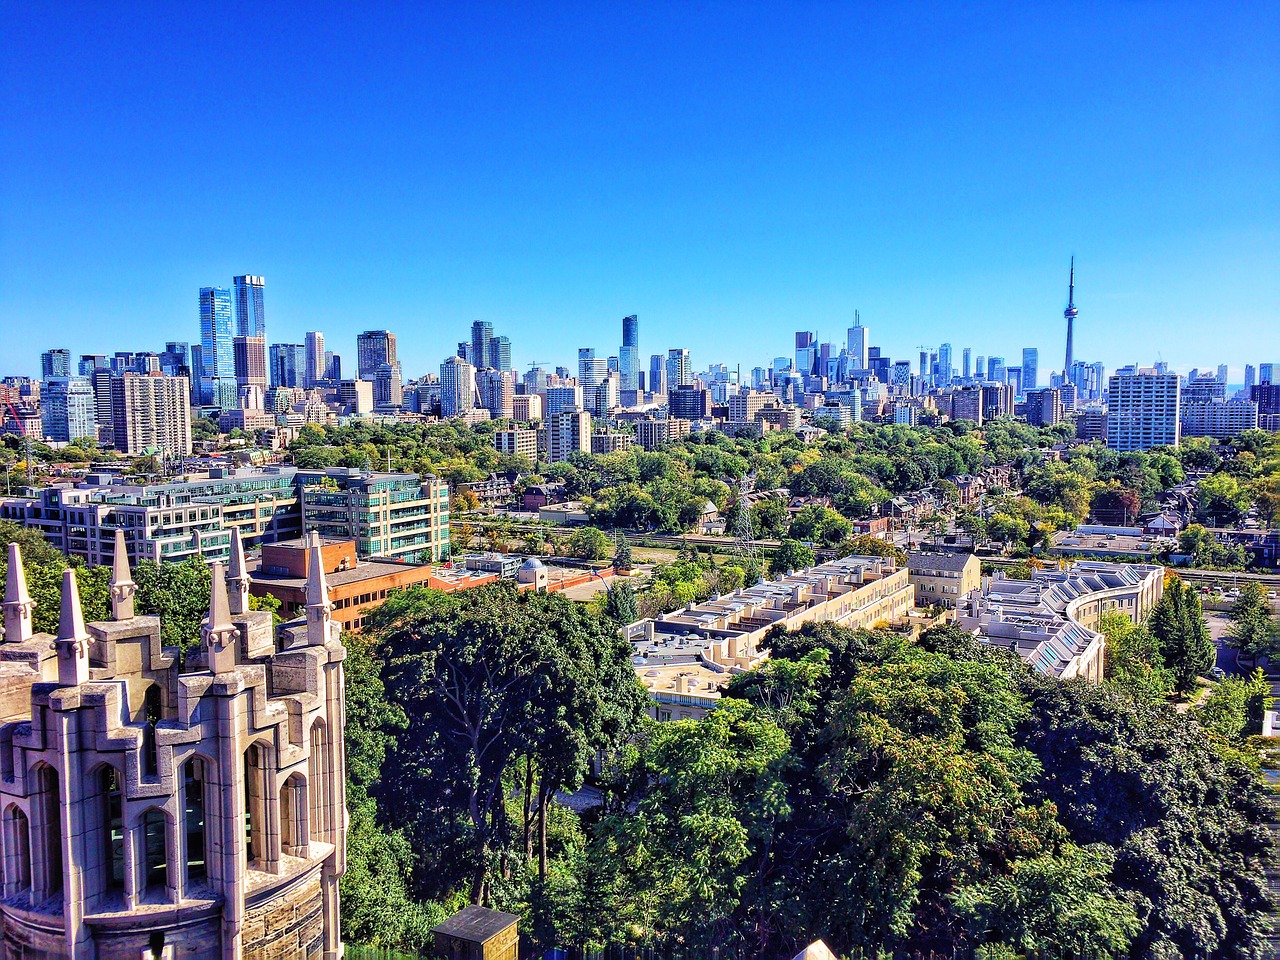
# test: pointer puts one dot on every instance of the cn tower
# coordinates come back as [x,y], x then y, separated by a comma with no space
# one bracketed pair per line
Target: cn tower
[1070,314]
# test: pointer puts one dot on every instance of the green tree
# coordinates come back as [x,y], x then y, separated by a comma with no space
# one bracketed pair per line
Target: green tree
[589,543]
[620,604]
[1178,625]
[1054,906]
[622,556]
[486,677]
[378,908]
[791,555]
[709,796]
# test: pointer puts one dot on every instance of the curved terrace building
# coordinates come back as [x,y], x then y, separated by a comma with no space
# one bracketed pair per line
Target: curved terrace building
[151,807]
[1050,620]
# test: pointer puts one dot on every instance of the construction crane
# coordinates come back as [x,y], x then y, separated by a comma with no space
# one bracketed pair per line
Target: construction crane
[26,437]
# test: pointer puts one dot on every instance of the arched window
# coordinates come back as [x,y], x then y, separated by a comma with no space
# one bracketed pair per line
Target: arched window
[155,854]
[17,852]
[318,783]
[255,807]
[47,821]
[151,709]
[105,825]
[193,819]
[294,833]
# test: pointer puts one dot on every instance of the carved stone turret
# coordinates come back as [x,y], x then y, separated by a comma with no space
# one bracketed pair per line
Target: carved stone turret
[18,605]
[73,639]
[219,634]
[122,586]
[237,577]
[319,609]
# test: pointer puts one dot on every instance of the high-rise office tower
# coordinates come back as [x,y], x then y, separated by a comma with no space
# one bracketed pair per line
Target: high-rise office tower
[966,366]
[55,363]
[1250,377]
[497,389]
[151,412]
[1266,373]
[67,409]
[591,370]
[500,353]
[1070,315]
[980,368]
[388,385]
[944,365]
[457,387]
[924,363]
[657,374]
[89,362]
[629,354]
[679,371]
[332,366]
[806,354]
[995,369]
[1222,372]
[859,343]
[481,334]
[1142,409]
[250,362]
[251,320]
[288,364]
[314,371]
[218,378]
[373,349]
[176,359]
[1030,369]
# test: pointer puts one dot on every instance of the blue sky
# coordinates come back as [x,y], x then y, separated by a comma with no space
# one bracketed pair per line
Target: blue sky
[730,172]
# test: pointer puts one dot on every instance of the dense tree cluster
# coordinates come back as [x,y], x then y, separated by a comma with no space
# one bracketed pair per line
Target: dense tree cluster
[879,792]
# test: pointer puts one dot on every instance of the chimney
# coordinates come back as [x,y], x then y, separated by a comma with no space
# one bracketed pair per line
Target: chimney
[122,586]
[18,604]
[219,634]
[73,639]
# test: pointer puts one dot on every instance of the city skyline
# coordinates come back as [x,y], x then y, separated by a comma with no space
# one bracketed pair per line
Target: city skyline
[631,326]
[903,173]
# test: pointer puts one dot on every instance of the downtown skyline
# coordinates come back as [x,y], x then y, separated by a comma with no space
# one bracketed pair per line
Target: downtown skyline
[933,168]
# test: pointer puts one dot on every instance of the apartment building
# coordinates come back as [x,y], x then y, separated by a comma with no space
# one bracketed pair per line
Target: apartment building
[400,515]
[684,658]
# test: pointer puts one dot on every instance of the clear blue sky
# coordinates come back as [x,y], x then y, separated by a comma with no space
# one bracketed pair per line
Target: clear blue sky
[729,172]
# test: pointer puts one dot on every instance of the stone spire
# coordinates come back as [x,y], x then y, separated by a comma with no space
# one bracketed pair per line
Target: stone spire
[17,600]
[319,610]
[219,633]
[122,586]
[237,577]
[73,639]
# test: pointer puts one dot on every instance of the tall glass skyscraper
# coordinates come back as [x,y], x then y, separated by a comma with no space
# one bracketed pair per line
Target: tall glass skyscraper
[251,321]
[373,349]
[481,334]
[629,355]
[217,350]
[1030,369]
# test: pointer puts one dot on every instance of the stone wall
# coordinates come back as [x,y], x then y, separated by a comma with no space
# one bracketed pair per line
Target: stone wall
[288,927]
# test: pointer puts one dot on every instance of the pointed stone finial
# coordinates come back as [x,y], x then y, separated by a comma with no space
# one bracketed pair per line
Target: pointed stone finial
[319,609]
[73,639]
[122,586]
[18,604]
[237,577]
[219,633]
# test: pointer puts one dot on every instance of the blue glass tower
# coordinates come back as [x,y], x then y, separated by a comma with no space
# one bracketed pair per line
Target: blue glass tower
[629,355]
[216,347]
[251,320]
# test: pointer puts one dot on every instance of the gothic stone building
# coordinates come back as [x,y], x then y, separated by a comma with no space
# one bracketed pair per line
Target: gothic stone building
[156,807]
